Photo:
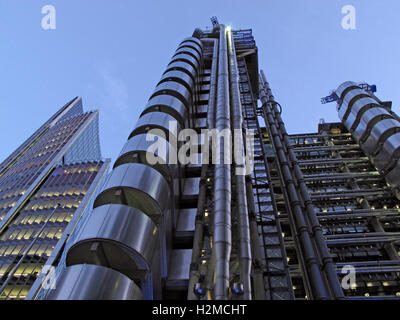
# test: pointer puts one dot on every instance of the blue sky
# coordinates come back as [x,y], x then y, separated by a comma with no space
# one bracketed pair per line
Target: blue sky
[112,53]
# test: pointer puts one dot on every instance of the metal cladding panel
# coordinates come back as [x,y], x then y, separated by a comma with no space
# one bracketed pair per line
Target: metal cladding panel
[378,135]
[138,150]
[368,120]
[158,120]
[144,188]
[191,51]
[191,45]
[348,100]
[345,86]
[193,40]
[118,237]
[357,110]
[167,104]
[182,65]
[390,152]
[91,282]
[178,76]
[186,57]
[175,89]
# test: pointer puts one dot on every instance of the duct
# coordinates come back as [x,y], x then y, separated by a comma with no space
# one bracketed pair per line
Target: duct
[240,163]
[170,105]
[107,240]
[320,289]
[389,153]
[175,89]
[213,88]
[90,282]
[158,120]
[367,122]
[222,240]
[190,51]
[194,275]
[348,100]
[178,76]
[379,133]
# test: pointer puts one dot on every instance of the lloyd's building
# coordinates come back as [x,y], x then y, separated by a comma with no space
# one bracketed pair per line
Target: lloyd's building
[316,218]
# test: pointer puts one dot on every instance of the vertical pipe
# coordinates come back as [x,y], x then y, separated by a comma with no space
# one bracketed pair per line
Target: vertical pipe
[222,178]
[239,163]
[322,248]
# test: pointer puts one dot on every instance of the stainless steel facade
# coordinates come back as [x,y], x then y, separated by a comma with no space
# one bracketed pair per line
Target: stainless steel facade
[314,205]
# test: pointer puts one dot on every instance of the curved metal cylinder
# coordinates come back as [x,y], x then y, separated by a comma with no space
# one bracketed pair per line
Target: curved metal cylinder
[190,51]
[193,40]
[379,134]
[357,110]
[139,150]
[91,282]
[158,120]
[348,100]
[393,176]
[182,66]
[192,45]
[167,104]
[389,153]
[138,186]
[186,57]
[345,87]
[118,237]
[368,121]
[178,76]
[175,89]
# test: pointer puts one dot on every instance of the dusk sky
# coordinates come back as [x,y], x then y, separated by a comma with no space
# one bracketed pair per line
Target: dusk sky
[112,53]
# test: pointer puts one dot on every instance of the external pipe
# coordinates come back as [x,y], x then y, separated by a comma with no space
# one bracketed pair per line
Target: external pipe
[240,164]
[311,258]
[322,248]
[222,178]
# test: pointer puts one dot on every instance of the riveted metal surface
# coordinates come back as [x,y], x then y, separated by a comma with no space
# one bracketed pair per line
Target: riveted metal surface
[178,76]
[175,89]
[186,57]
[139,148]
[348,100]
[189,51]
[91,282]
[358,109]
[368,121]
[379,134]
[345,86]
[157,120]
[118,237]
[390,152]
[183,66]
[143,188]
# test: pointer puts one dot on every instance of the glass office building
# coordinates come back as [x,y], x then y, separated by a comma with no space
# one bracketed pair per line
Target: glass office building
[45,185]
[317,218]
